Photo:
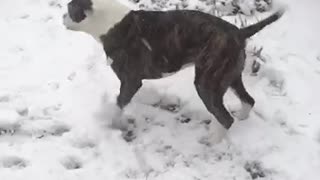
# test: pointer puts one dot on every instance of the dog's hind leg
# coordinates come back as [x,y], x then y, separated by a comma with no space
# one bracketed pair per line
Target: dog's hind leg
[213,100]
[246,100]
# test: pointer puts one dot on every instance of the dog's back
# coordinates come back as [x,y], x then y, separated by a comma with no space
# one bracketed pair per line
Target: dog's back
[174,38]
[168,40]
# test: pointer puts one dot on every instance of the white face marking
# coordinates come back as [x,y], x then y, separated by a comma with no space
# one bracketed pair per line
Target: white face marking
[104,14]
[183,67]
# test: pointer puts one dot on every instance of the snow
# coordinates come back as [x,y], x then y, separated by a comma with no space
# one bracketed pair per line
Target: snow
[57,95]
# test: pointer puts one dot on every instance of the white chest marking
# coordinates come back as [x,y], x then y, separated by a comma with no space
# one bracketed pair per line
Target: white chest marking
[183,67]
[109,61]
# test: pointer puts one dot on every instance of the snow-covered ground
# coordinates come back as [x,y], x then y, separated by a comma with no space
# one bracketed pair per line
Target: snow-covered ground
[57,94]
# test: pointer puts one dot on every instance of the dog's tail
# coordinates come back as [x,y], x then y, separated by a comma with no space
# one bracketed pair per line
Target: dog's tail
[253,29]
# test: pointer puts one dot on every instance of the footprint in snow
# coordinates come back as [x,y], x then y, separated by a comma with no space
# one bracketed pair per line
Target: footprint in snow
[43,128]
[71,163]
[56,130]
[59,130]
[23,111]
[131,132]
[183,119]
[83,143]
[4,99]
[7,131]
[170,107]
[256,170]
[9,122]
[55,4]
[72,76]
[13,162]
[51,110]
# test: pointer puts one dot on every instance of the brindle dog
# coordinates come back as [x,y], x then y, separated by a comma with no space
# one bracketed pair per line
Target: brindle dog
[146,44]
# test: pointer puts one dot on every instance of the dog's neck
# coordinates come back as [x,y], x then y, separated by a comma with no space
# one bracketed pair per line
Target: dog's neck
[105,15]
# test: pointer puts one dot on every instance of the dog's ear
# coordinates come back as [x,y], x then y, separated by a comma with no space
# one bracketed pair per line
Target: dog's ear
[77,9]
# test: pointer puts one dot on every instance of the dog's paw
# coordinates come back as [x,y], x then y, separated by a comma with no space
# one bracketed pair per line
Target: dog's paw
[130,130]
[129,135]
[118,121]
[242,113]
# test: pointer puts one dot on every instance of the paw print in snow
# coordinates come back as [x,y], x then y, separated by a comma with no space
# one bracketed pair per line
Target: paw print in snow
[71,163]
[13,162]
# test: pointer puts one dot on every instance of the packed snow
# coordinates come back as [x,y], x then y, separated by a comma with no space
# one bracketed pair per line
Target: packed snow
[57,95]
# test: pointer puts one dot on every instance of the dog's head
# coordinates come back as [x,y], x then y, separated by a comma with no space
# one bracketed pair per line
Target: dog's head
[93,16]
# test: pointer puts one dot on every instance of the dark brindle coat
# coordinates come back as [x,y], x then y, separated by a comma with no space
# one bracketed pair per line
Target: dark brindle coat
[146,44]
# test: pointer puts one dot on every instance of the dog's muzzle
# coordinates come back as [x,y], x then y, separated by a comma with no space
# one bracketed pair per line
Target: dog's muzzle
[67,22]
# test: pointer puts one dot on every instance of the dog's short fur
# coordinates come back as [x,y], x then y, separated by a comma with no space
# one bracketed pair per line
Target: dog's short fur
[146,44]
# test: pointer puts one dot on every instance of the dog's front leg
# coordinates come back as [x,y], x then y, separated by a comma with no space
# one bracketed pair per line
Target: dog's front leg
[127,90]
[211,91]
[213,100]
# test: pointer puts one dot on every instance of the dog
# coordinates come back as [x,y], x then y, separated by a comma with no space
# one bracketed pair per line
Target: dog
[148,44]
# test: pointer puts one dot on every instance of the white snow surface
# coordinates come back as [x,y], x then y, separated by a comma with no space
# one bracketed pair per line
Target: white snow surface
[57,96]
